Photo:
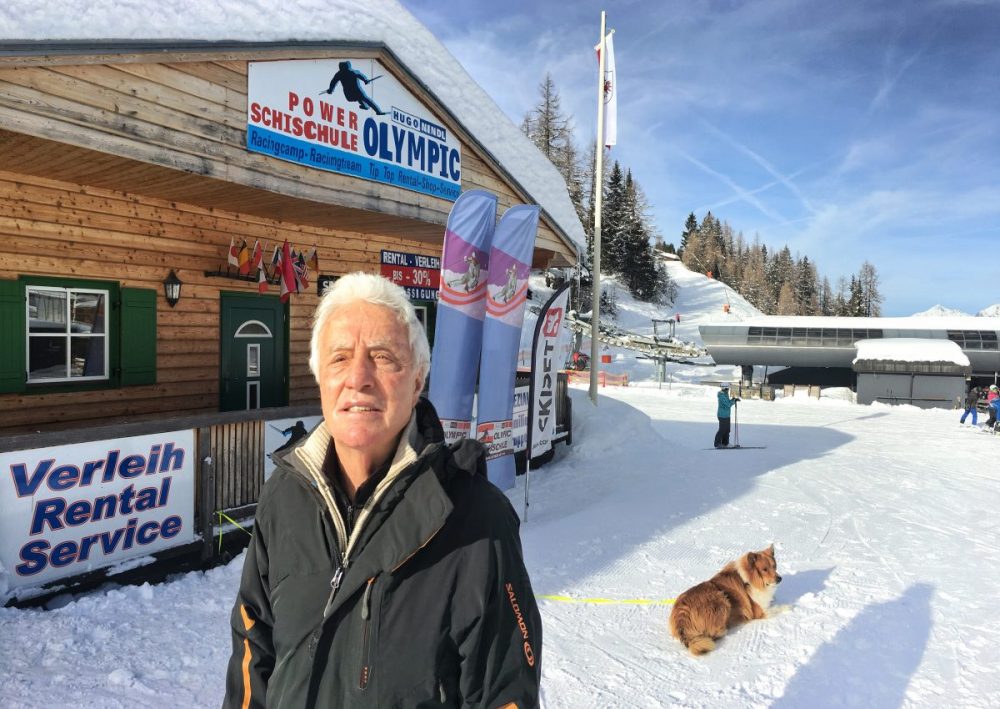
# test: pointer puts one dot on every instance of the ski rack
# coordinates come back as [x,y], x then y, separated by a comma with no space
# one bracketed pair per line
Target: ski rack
[669,349]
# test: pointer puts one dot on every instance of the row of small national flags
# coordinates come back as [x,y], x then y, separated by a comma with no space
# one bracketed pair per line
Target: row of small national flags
[289,265]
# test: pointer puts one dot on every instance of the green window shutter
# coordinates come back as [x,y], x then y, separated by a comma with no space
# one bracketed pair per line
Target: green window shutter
[138,336]
[12,337]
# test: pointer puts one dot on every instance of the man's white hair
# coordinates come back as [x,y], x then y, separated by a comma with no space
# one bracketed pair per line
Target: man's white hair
[374,289]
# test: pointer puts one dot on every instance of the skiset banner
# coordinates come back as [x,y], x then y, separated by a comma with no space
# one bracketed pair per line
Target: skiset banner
[546,351]
[458,331]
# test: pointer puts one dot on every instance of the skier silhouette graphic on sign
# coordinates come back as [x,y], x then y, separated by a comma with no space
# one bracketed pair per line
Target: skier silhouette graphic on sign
[470,279]
[295,433]
[350,79]
[507,292]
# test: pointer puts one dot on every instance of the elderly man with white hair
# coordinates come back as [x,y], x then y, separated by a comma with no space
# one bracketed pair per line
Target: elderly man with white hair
[385,570]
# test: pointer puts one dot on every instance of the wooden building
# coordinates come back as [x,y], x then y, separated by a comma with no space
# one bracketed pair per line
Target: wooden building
[121,163]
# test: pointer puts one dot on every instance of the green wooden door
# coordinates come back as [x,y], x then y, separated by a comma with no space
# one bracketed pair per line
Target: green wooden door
[253,367]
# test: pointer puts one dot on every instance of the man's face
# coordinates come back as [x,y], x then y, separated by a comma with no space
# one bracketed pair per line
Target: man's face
[368,383]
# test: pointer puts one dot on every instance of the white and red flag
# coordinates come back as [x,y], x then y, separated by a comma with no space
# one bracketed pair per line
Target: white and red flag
[610,91]
[256,256]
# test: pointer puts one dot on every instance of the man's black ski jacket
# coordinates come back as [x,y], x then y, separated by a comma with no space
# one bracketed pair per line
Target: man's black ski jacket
[426,604]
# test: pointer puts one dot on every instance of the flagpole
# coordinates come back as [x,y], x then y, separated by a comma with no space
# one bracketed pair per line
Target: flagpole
[595,297]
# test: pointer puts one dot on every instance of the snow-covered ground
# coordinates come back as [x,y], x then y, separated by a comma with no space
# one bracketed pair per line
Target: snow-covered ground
[884,521]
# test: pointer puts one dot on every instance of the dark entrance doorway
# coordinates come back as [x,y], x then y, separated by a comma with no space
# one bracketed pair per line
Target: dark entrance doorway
[253,366]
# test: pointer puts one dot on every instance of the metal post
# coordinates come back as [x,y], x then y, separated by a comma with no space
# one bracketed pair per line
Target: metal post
[595,309]
[206,492]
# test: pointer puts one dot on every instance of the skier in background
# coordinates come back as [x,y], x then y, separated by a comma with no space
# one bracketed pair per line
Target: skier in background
[992,400]
[725,408]
[971,399]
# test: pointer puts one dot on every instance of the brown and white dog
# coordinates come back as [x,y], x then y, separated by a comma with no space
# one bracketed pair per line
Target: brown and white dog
[741,591]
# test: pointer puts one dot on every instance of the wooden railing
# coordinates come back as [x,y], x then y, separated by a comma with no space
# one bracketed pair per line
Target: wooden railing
[237,450]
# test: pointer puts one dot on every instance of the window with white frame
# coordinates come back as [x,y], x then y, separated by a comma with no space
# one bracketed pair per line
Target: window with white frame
[67,336]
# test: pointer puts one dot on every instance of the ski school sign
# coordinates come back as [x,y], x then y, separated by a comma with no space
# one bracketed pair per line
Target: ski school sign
[353,117]
[67,510]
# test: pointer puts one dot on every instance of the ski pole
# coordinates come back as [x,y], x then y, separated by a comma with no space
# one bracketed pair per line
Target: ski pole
[736,422]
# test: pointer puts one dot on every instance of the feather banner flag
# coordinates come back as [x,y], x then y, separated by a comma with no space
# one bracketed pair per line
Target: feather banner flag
[506,298]
[458,330]
[610,92]
[547,356]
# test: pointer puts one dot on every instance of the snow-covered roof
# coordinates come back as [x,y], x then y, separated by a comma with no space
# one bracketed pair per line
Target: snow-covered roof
[966,322]
[334,21]
[910,349]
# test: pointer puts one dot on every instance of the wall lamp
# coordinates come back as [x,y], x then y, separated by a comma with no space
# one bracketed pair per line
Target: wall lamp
[172,288]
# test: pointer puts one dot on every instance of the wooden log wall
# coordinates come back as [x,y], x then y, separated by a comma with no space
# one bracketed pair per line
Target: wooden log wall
[191,116]
[51,228]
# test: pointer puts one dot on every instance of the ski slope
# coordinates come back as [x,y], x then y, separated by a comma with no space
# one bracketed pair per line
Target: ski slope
[884,521]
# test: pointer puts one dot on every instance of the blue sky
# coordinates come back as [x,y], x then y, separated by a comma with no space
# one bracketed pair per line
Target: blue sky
[854,130]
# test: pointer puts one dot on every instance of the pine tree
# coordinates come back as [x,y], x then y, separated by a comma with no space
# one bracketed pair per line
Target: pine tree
[779,272]
[552,132]
[871,299]
[690,227]
[786,300]
[826,298]
[806,290]
[613,221]
[577,176]
[856,303]
[754,286]
[711,244]
[842,299]
[638,268]
[546,125]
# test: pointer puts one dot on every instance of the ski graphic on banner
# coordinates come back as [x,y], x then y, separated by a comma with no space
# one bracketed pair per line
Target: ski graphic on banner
[507,294]
[458,331]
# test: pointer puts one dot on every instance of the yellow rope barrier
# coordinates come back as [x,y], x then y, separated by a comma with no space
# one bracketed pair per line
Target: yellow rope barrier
[223,515]
[610,601]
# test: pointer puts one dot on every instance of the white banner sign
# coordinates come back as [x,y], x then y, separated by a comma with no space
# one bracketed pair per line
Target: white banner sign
[353,117]
[67,510]
[546,361]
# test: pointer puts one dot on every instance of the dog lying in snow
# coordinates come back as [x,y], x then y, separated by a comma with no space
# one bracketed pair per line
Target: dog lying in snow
[741,591]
